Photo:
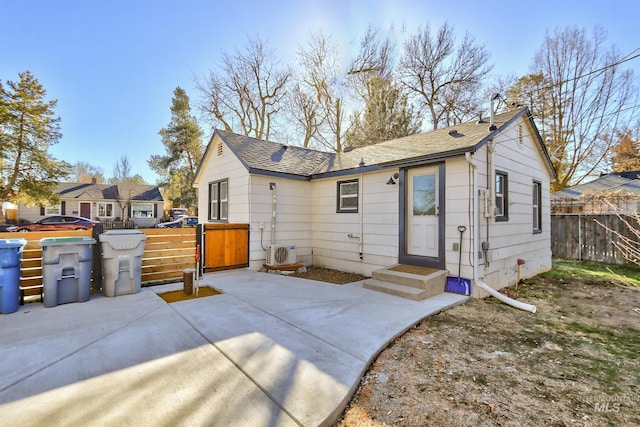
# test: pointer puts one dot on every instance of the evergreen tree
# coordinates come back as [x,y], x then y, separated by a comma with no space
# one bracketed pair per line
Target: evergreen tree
[28,127]
[626,153]
[387,115]
[183,152]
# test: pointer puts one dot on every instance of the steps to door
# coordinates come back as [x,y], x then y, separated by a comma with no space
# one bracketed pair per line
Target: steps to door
[416,283]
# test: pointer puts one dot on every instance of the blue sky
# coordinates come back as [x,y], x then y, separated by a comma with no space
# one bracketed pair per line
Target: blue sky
[113,65]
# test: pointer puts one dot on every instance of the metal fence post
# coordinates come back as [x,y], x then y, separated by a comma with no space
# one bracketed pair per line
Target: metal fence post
[199,240]
[96,273]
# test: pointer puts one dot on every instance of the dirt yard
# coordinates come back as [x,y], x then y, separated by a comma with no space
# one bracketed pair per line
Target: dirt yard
[576,362]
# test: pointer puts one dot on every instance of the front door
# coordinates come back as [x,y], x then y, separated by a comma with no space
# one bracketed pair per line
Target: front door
[85,210]
[422,212]
[423,206]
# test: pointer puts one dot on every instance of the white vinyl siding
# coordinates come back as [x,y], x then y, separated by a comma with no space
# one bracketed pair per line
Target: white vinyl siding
[513,240]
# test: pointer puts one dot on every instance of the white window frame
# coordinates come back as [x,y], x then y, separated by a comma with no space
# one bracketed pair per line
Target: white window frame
[501,194]
[53,210]
[104,208]
[219,200]
[537,207]
[145,204]
[341,206]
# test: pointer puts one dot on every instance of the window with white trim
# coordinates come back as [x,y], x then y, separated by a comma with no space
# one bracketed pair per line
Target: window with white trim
[218,200]
[502,196]
[347,200]
[53,210]
[142,210]
[105,210]
[537,207]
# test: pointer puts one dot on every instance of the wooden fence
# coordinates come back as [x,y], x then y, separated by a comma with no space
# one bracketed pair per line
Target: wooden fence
[167,253]
[587,237]
[226,246]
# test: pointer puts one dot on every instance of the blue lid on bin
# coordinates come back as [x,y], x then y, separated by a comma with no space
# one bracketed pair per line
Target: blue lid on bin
[12,243]
[58,241]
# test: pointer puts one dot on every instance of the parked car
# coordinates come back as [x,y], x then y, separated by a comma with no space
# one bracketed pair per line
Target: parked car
[185,221]
[176,213]
[56,223]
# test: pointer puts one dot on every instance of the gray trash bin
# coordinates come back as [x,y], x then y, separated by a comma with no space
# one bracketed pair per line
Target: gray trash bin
[66,269]
[122,261]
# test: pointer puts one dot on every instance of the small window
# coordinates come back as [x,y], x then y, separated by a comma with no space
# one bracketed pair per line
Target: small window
[218,200]
[105,210]
[537,208]
[502,196]
[53,210]
[347,196]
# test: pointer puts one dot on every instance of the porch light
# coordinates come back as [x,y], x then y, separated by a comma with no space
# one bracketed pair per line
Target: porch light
[392,179]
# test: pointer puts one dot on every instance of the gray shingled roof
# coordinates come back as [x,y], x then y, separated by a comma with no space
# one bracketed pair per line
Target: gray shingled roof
[271,157]
[615,182]
[438,143]
[259,155]
[84,191]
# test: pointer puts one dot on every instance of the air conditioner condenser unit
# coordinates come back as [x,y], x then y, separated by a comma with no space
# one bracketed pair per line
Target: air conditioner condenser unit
[281,254]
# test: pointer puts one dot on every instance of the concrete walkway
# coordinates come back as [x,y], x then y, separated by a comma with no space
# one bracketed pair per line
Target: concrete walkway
[271,351]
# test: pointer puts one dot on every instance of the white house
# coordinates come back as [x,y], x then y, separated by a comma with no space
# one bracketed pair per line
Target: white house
[396,202]
[103,202]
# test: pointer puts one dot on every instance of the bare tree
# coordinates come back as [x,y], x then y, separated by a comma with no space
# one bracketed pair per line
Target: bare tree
[580,96]
[323,78]
[126,185]
[247,93]
[86,173]
[443,78]
[306,114]
[376,58]
[626,237]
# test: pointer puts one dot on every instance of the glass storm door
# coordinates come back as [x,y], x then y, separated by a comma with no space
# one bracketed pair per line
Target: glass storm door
[422,212]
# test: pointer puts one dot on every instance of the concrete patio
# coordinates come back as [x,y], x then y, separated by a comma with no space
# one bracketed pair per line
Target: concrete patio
[270,351]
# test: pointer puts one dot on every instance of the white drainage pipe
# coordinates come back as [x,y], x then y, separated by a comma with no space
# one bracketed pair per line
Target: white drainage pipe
[506,299]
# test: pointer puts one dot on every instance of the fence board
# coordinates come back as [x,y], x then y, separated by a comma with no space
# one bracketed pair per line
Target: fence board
[226,246]
[588,237]
[167,253]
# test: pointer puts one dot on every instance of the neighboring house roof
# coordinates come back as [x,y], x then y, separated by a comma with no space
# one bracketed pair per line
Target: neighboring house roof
[84,191]
[260,156]
[620,182]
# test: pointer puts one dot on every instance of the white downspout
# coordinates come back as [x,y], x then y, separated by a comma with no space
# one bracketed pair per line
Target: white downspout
[272,187]
[476,217]
[361,217]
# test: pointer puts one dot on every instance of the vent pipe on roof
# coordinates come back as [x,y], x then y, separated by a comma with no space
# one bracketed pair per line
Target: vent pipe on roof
[492,125]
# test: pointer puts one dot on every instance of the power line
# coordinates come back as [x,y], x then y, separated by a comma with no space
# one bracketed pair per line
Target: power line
[629,57]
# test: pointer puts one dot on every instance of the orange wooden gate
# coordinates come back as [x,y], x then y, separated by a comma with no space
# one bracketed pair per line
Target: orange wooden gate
[226,246]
